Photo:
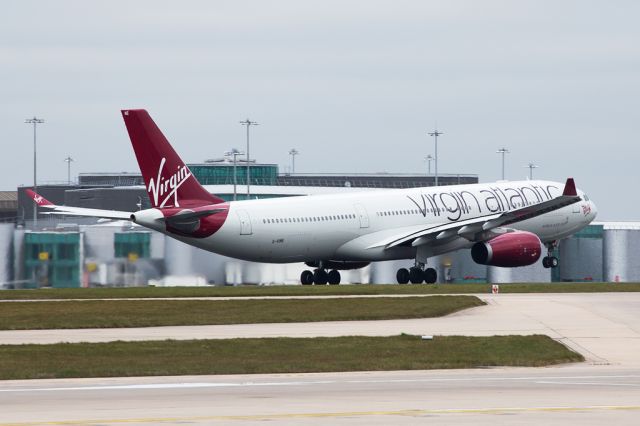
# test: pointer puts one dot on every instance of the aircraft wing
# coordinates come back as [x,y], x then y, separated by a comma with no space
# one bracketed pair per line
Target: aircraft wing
[76,211]
[470,228]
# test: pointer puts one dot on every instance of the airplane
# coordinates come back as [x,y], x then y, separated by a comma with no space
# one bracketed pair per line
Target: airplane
[505,224]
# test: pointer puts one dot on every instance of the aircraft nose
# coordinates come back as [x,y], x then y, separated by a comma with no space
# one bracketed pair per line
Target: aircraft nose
[594,210]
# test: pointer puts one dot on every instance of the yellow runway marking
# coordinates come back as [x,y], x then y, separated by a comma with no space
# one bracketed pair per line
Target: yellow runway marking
[255,417]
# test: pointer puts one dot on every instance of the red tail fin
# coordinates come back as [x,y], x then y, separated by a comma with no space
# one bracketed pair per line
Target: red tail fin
[38,199]
[169,181]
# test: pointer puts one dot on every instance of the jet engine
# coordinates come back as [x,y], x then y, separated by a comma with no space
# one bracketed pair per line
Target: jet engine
[518,248]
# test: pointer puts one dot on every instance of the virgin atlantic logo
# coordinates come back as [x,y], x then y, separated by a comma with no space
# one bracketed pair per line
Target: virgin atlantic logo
[162,189]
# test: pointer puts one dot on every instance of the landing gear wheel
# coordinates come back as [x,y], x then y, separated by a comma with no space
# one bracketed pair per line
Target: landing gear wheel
[402,276]
[550,262]
[306,277]
[320,277]
[333,277]
[416,276]
[430,275]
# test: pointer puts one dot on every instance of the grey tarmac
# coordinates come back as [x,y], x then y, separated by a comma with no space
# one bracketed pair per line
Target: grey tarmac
[577,394]
[604,327]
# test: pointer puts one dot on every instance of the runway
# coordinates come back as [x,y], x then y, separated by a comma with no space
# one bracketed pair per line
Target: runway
[585,395]
[604,327]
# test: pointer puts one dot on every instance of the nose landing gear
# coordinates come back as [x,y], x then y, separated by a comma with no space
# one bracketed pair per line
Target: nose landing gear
[550,261]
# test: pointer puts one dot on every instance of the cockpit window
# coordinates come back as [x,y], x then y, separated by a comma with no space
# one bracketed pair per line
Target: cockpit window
[586,197]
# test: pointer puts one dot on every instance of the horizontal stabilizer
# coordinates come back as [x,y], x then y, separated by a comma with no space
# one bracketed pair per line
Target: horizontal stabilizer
[186,217]
[75,211]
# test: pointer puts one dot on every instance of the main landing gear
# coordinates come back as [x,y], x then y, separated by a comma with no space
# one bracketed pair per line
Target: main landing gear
[550,261]
[417,275]
[320,276]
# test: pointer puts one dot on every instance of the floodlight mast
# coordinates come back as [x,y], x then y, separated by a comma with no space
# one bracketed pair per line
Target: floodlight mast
[502,151]
[428,159]
[234,152]
[35,121]
[531,166]
[293,152]
[435,135]
[68,160]
[248,123]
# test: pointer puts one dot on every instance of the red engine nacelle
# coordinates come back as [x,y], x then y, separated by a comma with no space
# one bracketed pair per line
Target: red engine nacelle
[519,248]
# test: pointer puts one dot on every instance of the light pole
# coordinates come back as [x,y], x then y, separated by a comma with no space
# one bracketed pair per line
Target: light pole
[234,152]
[531,166]
[248,123]
[35,121]
[68,160]
[435,135]
[428,159]
[502,151]
[293,152]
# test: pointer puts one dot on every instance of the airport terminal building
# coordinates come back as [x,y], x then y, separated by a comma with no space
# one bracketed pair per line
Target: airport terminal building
[73,252]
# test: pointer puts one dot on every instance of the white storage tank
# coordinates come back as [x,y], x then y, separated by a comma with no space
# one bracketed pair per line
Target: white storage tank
[621,251]
[6,252]
[535,273]
[581,255]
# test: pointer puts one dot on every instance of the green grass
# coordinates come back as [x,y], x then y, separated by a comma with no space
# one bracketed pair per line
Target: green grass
[290,290]
[147,313]
[277,355]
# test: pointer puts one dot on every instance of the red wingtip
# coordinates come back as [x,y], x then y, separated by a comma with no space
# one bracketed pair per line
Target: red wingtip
[39,199]
[570,188]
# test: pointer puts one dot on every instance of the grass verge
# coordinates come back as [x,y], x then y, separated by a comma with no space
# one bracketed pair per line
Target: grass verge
[277,355]
[148,313]
[290,290]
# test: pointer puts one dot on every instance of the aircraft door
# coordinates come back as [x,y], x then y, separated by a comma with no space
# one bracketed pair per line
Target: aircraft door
[362,215]
[245,222]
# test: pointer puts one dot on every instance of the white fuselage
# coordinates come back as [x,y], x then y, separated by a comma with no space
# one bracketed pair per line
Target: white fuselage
[346,226]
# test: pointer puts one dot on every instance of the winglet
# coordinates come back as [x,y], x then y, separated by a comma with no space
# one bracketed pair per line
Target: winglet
[39,199]
[570,188]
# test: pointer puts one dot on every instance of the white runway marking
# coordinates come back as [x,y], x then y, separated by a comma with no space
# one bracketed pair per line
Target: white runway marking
[635,385]
[540,380]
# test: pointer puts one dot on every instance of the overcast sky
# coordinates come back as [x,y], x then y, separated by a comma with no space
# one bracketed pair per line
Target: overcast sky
[354,86]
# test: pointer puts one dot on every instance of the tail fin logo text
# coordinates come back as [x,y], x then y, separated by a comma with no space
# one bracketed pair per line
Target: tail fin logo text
[162,189]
